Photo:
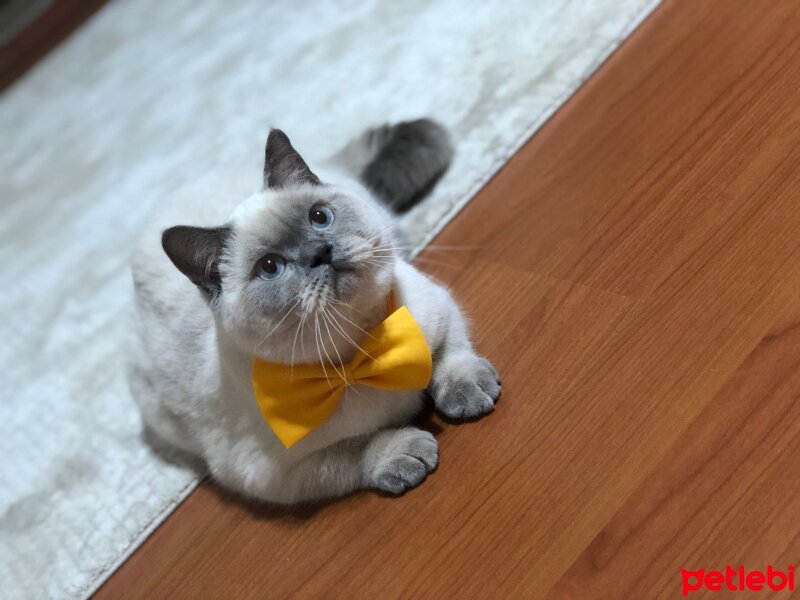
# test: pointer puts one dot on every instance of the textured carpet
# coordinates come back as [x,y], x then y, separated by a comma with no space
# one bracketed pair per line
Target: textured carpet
[152,95]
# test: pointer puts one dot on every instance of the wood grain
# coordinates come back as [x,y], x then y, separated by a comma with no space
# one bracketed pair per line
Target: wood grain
[634,273]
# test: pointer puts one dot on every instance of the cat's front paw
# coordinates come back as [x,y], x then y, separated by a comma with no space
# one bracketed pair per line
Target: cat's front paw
[404,460]
[466,388]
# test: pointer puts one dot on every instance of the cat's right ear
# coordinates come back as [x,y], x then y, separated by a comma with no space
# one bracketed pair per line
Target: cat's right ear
[196,252]
[283,165]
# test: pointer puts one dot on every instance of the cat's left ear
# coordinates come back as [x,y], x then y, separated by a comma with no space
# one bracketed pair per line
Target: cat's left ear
[283,165]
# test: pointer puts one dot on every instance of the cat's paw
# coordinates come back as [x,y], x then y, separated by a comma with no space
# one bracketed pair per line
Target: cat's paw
[466,388]
[404,461]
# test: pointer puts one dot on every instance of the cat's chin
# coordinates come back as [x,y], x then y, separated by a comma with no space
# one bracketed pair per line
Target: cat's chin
[342,285]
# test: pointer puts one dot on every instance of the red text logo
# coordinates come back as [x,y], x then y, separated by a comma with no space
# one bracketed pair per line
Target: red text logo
[738,580]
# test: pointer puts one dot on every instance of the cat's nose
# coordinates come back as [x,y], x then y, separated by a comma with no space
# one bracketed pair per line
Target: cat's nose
[322,256]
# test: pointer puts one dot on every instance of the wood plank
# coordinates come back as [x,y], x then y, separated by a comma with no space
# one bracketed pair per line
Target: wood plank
[725,493]
[634,272]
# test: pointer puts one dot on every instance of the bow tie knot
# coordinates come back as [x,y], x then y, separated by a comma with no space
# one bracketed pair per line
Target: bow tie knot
[349,378]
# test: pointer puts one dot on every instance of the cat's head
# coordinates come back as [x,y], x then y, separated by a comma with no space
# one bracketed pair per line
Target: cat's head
[300,249]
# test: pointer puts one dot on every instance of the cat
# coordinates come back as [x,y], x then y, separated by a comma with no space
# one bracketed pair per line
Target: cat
[208,300]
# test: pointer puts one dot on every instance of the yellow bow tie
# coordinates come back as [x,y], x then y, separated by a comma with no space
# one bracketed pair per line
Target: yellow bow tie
[295,401]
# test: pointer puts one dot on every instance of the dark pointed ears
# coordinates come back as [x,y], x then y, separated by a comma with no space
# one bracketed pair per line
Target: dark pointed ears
[196,252]
[283,165]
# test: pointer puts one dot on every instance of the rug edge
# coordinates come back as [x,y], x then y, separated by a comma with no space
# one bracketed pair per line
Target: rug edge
[97,581]
[546,115]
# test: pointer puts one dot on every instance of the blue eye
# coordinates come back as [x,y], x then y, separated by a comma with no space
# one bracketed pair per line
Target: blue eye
[271,266]
[320,217]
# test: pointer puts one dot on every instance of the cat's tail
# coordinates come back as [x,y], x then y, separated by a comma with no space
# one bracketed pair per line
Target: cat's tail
[399,163]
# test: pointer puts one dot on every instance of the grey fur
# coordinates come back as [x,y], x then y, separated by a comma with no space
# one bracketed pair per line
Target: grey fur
[405,459]
[196,252]
[465,387]
[283,165]
[410,158]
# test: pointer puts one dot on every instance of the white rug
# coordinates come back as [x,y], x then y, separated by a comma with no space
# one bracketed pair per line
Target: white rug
[152,94]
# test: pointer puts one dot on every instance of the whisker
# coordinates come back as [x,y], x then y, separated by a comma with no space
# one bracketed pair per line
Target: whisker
[264,339]
[383,231]
[376,264]
[453,248]
[300,326]
[379,260]
[438,263]
[341,314]
[388,250]
[380,255]
[303,339]
[346,305]
[341,330]
[333,343]
[389,246]
[317,335]
[369,253]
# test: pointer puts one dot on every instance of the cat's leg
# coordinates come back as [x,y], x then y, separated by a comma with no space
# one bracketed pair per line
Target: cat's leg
[398,459]
[464,385]
[391,460]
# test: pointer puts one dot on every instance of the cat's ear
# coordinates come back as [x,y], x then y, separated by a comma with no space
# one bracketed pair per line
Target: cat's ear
[196,251]
[283,165]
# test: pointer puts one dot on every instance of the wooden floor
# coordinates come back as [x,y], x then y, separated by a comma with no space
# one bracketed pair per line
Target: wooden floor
[634,273]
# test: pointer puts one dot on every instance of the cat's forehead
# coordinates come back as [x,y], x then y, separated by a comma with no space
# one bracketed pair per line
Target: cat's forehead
[288,205]
[270,205]
[269,217]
